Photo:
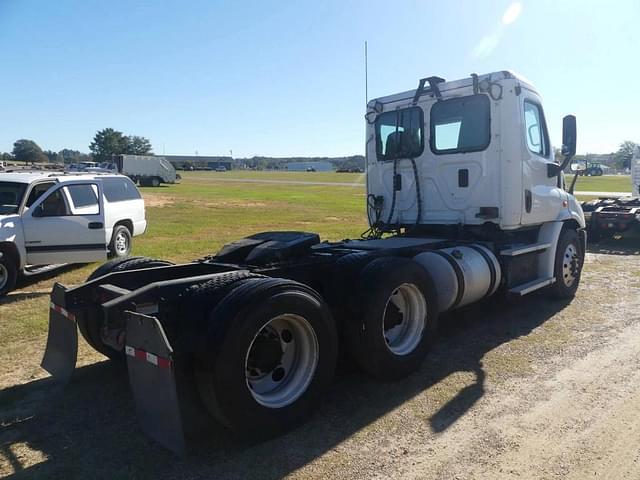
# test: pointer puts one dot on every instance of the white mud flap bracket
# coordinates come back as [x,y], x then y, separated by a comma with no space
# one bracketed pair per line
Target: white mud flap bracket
[152,377]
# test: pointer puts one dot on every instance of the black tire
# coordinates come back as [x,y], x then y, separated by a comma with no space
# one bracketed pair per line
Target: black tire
[91,323]
[8,273]
[366,334]
[121,242]
[568,265]
[108,267]
[233,326]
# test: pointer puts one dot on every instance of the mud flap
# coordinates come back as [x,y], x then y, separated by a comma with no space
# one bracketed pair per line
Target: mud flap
[62,341]
[152,378]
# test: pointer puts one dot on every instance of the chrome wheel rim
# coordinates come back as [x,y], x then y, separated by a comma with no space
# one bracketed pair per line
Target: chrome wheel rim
[4,276]
[404,319]
[570,265]
[281,361]
[121,243]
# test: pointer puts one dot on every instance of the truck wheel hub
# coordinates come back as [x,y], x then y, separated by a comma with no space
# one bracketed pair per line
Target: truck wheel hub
[265,354]
[570,265]
[121,243]
[404,319]
[281,361]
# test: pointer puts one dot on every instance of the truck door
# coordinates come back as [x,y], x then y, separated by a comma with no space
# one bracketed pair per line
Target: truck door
[542,196]
[66,225]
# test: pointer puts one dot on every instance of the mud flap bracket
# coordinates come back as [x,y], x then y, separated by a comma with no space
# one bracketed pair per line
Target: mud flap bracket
[151,367]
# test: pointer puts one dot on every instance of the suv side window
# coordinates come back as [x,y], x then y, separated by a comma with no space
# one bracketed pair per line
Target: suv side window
[535,129]
[119,189]
[84,199]
[37,191]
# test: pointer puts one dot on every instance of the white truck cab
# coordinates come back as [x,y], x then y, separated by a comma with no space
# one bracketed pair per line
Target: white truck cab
[465,152]
[50,219]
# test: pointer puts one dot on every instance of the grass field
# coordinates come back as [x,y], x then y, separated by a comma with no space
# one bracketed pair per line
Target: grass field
[196,217]
[606,183]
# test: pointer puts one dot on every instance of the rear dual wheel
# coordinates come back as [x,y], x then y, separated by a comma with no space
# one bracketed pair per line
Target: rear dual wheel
[270,353]
[396,322]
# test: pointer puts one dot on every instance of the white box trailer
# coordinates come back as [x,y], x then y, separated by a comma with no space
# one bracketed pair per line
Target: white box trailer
[147,170]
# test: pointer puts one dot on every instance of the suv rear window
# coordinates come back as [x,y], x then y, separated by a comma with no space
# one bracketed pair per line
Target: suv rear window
[120,189]
[460,125]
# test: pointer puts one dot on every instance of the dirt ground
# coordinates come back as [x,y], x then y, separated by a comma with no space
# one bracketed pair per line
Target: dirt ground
[528,389]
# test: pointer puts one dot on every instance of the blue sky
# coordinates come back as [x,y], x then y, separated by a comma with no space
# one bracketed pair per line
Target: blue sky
[280,79]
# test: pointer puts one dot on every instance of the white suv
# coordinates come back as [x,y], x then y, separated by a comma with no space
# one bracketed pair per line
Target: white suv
[52,219]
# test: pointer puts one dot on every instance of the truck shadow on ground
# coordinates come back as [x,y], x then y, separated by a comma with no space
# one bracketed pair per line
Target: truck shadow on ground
[91,429]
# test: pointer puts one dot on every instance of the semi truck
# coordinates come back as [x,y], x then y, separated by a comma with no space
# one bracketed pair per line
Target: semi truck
[464,201]
[616,216]
[147,170]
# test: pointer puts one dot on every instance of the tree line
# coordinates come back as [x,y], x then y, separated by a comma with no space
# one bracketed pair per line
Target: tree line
[106,142]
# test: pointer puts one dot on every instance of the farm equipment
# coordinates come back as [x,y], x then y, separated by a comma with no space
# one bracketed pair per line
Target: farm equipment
[609,216]
[464,200]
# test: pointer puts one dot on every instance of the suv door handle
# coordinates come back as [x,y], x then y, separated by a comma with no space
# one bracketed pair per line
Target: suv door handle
[95,225]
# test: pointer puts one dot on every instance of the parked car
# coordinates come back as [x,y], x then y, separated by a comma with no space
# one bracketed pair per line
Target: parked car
[221,168]
[51,219]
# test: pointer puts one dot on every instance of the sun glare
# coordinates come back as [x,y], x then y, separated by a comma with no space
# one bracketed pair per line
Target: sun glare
[512,13]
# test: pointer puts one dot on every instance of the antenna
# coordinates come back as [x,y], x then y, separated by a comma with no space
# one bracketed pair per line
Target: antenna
[366,76]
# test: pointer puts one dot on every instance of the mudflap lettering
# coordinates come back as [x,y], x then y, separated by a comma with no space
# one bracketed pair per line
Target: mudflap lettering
[152,377]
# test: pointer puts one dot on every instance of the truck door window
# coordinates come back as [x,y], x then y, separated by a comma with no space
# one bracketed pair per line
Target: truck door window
[535,129]
[400,134]
[460,125]
[84,199]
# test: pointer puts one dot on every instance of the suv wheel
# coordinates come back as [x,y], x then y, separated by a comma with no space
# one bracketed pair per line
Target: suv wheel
[8,274]
[120,245]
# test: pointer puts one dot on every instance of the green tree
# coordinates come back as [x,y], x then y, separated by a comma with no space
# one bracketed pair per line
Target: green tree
[139,145]
[28,151]
[108,142]
[625,153]
[51,156]
[74,156]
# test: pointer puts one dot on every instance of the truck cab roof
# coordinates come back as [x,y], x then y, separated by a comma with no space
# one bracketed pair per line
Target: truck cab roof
[451,86]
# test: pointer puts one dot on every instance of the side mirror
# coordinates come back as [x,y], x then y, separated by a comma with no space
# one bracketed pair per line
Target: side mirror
[569,135]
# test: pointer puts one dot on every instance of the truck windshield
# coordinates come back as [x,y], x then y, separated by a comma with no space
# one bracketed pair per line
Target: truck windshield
[10,197]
